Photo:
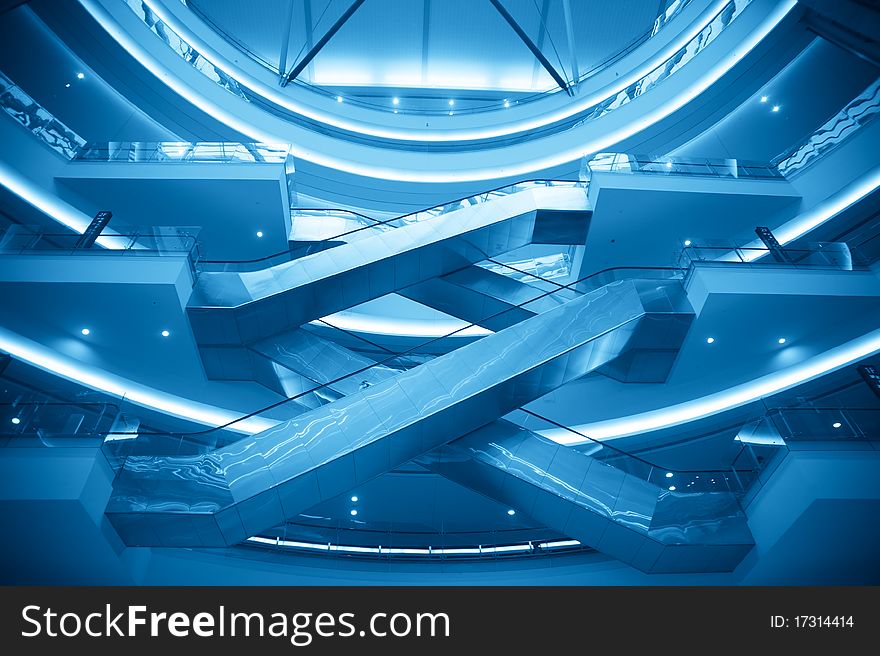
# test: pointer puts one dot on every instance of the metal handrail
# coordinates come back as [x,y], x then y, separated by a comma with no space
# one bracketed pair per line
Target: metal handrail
[385,361]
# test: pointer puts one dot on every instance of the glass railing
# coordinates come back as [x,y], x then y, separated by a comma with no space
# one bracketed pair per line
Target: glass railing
[203,152]
[42,123]
[480,198]
[287,408]
[688,166]
[663,70]
[827,424]
[360,226]
[121,241]
[671,66]
[136,241]
[353,226]
[31,421]
[28,423]
[863,237]
[737,478]
[556,266]
[183,49]
[827,255]
[193,152]
[840,127]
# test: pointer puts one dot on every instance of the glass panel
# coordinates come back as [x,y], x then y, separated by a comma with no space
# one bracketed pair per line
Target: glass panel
[26,111]
[706,36]
[849,120]
[837,256]
[120,240]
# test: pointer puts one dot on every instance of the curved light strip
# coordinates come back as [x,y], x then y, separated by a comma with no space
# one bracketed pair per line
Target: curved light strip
[54,362]
[50,205]
[282,100]
[526,547]
[683,413]
[818,214]
[376,325]
[441,176]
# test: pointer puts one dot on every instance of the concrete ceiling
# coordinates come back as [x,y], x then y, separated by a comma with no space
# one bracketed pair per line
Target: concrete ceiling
[672,209]
[448,44]
[746,328]
[809,91]
[231,202]
[31,55]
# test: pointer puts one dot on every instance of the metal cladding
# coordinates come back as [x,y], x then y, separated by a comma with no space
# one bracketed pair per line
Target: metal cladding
[229,494]
[239,308]
[613,511]
[483,297]
[321,362]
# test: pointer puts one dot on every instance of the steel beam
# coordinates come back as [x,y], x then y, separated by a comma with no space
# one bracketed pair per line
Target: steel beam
[310,55]
[572,50]
[536,51]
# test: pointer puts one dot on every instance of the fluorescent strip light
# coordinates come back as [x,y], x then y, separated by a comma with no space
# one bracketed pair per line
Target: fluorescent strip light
[453,551]
[290,104]
[49,204]
[818,214]
[54,362]
[559,157]
[377,325]
[689,411]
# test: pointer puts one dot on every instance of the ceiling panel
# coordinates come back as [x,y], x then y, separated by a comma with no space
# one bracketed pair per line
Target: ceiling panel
[441,44]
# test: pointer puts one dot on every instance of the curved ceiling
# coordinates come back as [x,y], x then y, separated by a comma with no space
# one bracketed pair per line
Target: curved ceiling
[426,46]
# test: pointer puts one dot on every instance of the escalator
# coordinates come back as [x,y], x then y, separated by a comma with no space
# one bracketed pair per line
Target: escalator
[224,496]
[652,528]
[244,307]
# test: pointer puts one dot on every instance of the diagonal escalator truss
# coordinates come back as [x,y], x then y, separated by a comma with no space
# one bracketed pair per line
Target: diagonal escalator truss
[227,495]
[616,512]
[350,420]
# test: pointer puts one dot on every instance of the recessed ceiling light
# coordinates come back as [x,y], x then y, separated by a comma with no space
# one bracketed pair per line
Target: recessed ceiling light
[781,340]
[395,101]
[687,242]
[259,233]
[166,333]
[85,331]
[775,108]
[80,76]
[451,103]
[16,421]
[710,340]
[763,98]
[353,512]
[668,474]
[836,424]
[672,488]
[338,98]
[354,499]
[511,512]
[67,86]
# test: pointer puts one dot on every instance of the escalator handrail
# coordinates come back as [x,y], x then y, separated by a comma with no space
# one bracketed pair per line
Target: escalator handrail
[397,355]
[378,223]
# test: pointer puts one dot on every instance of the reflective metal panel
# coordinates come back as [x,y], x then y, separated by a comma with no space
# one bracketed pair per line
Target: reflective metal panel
[646,526]
[412,413]
[242,307]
